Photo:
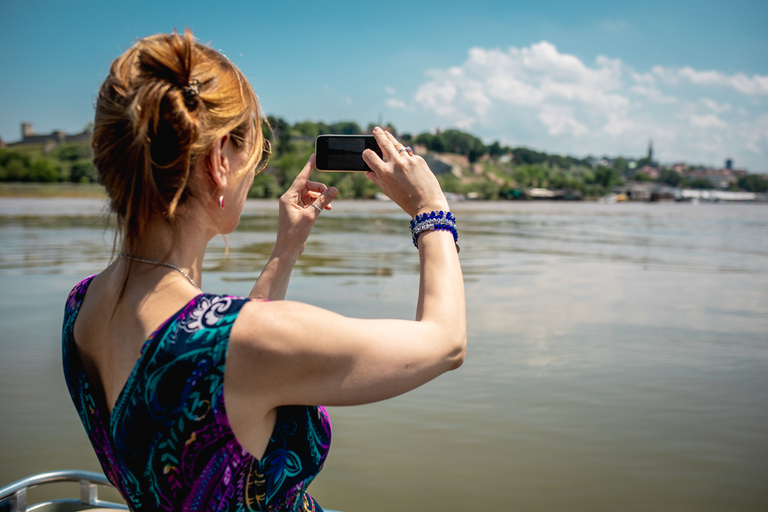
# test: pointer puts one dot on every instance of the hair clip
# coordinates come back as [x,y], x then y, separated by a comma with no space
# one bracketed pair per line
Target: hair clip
[191,92]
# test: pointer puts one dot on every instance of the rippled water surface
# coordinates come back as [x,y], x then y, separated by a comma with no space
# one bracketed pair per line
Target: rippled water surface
[618,354]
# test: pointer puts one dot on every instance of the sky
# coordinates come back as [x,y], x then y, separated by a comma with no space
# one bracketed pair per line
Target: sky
[574,78]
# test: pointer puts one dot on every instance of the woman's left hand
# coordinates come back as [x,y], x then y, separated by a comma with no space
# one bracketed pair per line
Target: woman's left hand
[297,217]
[300,207]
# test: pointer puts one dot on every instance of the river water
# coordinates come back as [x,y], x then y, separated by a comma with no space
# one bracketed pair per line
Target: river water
[617,360]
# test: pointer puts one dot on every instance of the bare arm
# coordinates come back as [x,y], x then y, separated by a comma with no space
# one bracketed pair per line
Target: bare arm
[273,280]
[291,353]
[296,219]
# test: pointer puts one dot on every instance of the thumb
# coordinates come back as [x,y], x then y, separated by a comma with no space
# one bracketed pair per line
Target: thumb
[373,160]
[323,202]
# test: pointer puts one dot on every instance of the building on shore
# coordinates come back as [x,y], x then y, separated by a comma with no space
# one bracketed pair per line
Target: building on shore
[29,136]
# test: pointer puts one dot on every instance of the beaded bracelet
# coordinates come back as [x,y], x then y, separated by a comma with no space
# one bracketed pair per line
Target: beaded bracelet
[434,221]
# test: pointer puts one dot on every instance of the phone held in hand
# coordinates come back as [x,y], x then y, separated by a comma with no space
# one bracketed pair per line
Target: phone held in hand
[340,153]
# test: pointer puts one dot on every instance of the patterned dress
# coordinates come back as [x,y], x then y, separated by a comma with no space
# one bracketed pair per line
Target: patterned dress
[168,445]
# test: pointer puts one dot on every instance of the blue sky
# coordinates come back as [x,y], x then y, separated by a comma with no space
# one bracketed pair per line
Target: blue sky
[590,77]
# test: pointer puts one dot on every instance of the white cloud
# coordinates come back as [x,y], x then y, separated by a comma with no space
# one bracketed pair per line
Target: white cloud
[395,103]
[707,121]
[754,85]
[544,98]
[560,120]
[438,97]
[652,93]
[756,135]
[532,77]
[389,89]
[715,107]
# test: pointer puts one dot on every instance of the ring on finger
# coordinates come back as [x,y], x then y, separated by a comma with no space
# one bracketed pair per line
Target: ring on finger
[317,208]
[409,149]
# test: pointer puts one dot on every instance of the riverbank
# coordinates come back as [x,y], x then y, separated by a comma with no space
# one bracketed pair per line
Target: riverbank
[85,190]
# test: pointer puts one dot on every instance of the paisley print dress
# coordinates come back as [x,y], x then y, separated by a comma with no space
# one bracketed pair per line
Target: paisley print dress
[168,445]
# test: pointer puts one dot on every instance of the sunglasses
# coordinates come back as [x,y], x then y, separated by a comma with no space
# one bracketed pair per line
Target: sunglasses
[266,152]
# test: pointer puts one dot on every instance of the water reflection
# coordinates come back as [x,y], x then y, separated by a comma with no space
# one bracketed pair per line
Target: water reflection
[497,240]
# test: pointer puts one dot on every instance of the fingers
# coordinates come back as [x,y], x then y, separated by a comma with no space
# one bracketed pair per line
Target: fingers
[301,179]
[373,160]
[316,186]
[389,150]
[311,196]
[397,144]
[386,143]
[323,202]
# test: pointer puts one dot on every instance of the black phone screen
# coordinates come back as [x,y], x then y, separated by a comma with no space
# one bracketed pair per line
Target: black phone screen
[343,152]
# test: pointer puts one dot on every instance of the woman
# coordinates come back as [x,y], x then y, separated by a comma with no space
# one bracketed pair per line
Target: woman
[195,401]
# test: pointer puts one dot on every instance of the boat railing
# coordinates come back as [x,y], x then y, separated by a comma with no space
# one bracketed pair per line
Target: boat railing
[13,497]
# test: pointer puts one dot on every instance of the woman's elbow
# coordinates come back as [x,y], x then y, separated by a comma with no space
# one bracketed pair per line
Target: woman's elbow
[456,356]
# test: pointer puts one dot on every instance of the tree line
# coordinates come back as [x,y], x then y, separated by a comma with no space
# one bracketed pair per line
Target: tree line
[71,162]
[494,171]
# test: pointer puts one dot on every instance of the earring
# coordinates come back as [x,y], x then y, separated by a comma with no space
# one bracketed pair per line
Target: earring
[221,201]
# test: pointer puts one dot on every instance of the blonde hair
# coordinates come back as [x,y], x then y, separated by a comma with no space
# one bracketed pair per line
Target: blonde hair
[165,103]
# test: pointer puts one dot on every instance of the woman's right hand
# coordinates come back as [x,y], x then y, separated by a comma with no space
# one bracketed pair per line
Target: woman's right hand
[404,178]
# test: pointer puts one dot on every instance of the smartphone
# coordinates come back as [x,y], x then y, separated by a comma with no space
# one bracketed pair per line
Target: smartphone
[338,153]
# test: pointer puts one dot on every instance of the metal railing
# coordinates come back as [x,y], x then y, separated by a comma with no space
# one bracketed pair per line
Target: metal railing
[15,494]
[13,497]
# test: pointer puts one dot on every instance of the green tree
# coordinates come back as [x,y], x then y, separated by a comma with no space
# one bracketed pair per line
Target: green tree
[43,170]
[700,183]
[620,166]
[463,143]
[264,186]
[670,177]
[643,162]
[83,171]
[450,183]
[434,143]
[525,156]
[14,165]
[606,177]
[563,162]
[307,128]
[73,152]
[641,176]
[346,128]
[488,189]
[533,175]
[753,183]
[284,144]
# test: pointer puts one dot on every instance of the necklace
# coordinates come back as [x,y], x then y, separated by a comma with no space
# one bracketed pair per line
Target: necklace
[155,262]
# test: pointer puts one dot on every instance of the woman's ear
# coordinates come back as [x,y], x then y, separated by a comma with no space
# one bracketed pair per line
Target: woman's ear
[218,164]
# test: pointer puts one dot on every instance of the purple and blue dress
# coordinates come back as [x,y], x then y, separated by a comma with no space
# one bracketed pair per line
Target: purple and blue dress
[168,445]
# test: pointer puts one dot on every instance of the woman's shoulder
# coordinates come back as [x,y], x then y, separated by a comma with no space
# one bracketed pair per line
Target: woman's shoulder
[77,293]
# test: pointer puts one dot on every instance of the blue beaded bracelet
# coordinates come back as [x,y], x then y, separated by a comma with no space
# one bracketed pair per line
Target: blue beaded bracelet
[434,221]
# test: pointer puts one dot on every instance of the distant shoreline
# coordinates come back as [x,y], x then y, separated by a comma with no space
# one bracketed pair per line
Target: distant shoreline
[87,190]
